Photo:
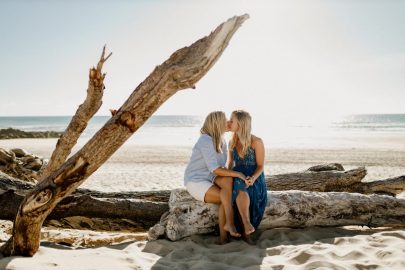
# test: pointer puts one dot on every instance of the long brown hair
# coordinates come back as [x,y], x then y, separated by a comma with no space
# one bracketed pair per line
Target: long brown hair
[243,135]
[215,126]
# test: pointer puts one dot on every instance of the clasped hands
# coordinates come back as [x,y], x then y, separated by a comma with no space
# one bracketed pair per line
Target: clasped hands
[249,180]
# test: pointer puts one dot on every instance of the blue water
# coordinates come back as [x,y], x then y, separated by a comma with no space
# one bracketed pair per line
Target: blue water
[372,122]
[59,123]
[184,130]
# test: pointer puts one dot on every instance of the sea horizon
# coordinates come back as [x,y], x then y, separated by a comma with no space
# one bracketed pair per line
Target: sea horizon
[346,131]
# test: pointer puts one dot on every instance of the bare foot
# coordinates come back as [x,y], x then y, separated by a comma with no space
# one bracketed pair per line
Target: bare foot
[232,230]
[249,229]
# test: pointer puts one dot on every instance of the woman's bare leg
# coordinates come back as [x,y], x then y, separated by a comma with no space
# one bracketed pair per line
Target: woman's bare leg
[212,196]
[243,202]
[223,234]
[225,183]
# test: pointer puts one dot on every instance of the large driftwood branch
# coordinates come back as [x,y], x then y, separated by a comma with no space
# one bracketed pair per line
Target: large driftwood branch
[182,70]
[390,186]
[285,209]
[316,180]
[130,205]
[82,116]
[144,207]
[143,211]
[332,177]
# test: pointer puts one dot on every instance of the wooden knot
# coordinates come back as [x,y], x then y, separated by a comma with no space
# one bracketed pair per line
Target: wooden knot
[128,119]
[76,169]
[176,76]
[113,112]
[96,77]
[37,200]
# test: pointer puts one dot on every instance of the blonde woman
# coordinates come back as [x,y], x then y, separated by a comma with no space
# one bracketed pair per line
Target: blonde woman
[246,155]
[206,177]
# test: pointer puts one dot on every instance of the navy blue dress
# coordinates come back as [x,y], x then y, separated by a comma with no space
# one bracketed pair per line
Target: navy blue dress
[257,192]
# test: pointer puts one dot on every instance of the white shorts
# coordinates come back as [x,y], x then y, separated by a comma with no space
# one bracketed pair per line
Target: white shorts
[198,189]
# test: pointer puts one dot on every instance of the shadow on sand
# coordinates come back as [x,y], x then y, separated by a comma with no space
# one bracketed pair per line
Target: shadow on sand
[202,252]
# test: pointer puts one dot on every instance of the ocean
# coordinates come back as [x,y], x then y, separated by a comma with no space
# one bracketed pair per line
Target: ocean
[183,130]
[155,157]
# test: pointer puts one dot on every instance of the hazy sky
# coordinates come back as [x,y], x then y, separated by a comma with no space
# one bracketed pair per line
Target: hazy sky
[290,59]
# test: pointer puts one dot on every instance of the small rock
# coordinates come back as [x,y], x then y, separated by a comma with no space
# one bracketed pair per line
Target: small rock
[156,231]
[6,157]
[35,165]
[19,152]
[27,159]
[4,237]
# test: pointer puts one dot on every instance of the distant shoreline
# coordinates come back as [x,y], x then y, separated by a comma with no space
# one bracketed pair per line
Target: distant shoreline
[11,133]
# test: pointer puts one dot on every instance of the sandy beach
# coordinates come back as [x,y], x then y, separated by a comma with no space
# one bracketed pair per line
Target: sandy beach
[310,248]
[145,167]
[155,167]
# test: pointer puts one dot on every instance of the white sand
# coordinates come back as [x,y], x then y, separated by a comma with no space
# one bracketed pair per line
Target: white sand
[312,248]
[141,167]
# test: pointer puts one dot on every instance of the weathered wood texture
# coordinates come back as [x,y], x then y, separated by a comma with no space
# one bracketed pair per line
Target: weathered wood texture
[144,207]
[315,180]
[143,211]
[333,177]
[90,203]
[284,209]
[79,121]
[182,70]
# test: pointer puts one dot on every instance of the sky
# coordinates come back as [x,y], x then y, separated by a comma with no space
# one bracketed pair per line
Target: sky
[291,59]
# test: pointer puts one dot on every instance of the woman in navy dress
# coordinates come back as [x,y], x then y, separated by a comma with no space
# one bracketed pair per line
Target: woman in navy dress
[246,155]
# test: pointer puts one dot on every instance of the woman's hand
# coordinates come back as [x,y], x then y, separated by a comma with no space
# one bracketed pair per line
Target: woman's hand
[250,180]
[247,182]
[242,176]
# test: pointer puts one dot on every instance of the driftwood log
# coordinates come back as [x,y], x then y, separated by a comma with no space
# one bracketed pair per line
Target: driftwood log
[144,212]
[182,70]
[333,177]
[132,205]
[144,207]
[284,209]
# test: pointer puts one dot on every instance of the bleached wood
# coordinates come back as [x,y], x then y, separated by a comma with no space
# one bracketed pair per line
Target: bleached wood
[79,121]
[316,180]
[293,209]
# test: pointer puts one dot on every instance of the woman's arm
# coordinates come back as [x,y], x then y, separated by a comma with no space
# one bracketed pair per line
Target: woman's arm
[226,172]
[209,154]
[230,160]
[258,145]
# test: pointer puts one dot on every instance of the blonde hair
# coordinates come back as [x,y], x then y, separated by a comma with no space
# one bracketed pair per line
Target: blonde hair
[215,126]
[243,135]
